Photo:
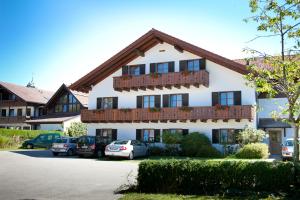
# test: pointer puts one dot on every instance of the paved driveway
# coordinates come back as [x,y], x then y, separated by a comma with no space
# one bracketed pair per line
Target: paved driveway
[37,175]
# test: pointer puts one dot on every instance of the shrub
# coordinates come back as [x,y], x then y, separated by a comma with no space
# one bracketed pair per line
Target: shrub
[5,142]
[252,151]
[250,135]
[172,138]
[196,144]
[198,176]
[77,129]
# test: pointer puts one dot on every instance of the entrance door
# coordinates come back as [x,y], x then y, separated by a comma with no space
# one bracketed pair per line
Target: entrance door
[275,142]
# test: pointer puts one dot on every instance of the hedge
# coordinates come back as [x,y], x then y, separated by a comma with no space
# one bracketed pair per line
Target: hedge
[13,138]
[199,177]
[253,151]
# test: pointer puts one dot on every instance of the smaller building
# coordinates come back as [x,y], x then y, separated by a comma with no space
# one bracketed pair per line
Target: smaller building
[19,104]
[61,110]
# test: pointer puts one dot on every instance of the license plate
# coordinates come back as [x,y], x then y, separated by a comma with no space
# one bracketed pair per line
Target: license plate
[84,147]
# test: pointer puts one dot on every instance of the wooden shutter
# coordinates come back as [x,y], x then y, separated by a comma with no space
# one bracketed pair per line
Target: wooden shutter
[237,98]
[171,66]
[98,132]
[165,100]
[142,69]
[185,131]
[114,134]
[182,65]
[99,103]
[152,67]
[157,101]
[157,135]
[139,101]
[214,98]
[125,70]
[185,99]
[115,102]
[215,136]
[202,63]
[138,135]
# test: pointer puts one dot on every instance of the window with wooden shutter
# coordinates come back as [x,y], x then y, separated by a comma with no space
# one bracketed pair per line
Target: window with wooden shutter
[157,135]
[183,65]
[185,131]
[115,102]
[171,66]
[215,136]
[214,98]
[138,135]
[142,69]
[237,98]
[157,101]
[165,100]
[152,67]
[202,63]
[125,70]
[139,101]
[185,99]
[114,134]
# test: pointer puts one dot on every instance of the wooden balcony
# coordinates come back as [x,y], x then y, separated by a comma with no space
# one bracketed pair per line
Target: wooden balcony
[7,103]
[168,80]
[168,114]
[12,120]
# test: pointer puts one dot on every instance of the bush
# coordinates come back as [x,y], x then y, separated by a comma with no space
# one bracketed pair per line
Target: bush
[172,138]
[196,144]
[198,176]
[5,142]
[250,135]
[156,151]
[77,129]
[253,151]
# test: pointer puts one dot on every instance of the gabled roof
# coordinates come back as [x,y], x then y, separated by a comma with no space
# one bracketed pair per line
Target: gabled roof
[80,96]
[28,94]
[144,43]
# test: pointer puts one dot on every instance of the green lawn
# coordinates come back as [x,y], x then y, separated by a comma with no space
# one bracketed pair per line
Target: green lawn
[140,196]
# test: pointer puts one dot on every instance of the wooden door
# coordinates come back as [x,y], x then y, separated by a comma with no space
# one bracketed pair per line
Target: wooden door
[275,142]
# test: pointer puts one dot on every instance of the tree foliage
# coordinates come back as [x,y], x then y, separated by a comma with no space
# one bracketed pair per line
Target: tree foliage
[250,135]
[77,129]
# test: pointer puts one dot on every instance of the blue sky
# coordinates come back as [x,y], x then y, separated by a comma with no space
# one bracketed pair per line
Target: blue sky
[60,41]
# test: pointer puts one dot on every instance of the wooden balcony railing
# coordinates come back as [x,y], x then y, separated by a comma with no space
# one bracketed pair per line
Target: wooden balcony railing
[7,103]
[168,80]
[12,120]
[168,114]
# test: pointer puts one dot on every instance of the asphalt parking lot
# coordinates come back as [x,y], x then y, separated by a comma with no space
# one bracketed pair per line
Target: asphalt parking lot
[37,175]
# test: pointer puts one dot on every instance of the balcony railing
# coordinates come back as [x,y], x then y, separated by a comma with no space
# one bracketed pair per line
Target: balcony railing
[168,114]
[168,80]
[11,103]
[12,120]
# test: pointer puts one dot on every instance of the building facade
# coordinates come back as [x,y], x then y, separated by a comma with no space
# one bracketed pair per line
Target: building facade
[160,83]
[19,104]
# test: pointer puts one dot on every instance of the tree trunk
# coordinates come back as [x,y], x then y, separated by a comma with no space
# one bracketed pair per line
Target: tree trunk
[296,144]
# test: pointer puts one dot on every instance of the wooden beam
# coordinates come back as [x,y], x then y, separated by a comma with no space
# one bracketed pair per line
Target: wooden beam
[159,40]
[178,48]
[203,120]
[139,52]
[237,120]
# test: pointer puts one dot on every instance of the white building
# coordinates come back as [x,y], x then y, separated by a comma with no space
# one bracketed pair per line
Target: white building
[162,83]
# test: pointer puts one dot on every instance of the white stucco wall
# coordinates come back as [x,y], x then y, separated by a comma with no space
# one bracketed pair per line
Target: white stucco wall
[59,126]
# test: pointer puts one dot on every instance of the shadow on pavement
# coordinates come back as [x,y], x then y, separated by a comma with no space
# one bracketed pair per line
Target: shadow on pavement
[41,154]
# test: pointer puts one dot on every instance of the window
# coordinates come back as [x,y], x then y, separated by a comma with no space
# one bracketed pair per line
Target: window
[193,65]
[19,112]
[224,136]
[175,100]
[173,131]
[148,101]
[26,127]
[11,112]
[28,112]
[148,135]
[3,112]
[107,102]
[134,70]
[162,68]
[67,103]
[12,97]
[106,135]
[226,98]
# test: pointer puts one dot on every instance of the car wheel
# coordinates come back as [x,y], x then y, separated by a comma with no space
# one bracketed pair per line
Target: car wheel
[70,152]
[131,156]
[29,146]
[55,153]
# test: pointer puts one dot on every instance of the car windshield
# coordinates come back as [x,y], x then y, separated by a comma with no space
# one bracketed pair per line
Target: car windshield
[121,142]
[61,140]
[289,143]
[86,140]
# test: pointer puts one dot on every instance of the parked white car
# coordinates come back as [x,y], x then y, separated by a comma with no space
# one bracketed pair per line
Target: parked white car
[127,149]
[287,149]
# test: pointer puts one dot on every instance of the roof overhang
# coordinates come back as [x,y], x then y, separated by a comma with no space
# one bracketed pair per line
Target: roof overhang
[141,45]
[272,123]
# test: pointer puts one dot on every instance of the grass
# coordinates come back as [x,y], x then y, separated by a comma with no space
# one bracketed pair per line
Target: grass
[141,196]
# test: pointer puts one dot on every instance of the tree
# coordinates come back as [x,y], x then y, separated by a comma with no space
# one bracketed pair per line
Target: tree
[77,129]
[250,135]
[282,76]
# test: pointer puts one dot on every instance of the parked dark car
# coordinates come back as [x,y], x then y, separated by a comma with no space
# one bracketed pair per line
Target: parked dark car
[44,140]
[91,146]
[65,145]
